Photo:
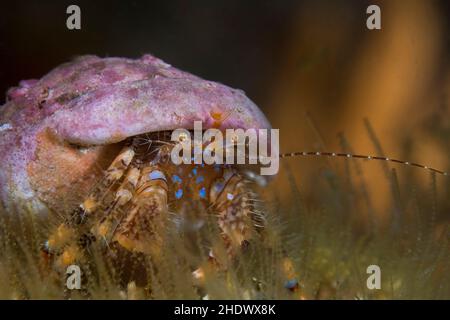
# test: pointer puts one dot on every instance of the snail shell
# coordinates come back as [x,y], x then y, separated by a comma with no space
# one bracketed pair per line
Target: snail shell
[57,131]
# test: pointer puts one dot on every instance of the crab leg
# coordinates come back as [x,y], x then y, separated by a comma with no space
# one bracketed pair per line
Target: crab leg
[123,196]
[66,232]
[113,174]
[231,200]
[140,229]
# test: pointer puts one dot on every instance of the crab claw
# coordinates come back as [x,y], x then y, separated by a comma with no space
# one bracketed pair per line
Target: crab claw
[56,132]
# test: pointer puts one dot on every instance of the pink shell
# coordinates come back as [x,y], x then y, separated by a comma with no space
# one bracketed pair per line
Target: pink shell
[94,101]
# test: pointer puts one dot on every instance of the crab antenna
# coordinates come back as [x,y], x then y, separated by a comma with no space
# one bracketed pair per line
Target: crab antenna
[367,157]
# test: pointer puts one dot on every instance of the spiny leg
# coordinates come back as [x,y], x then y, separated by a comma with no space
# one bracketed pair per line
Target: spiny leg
[234,211]
[239,218]
[233,202]
[141,228]
[101,229]
[112,175]
[128,189]
[124,194]
[67,236]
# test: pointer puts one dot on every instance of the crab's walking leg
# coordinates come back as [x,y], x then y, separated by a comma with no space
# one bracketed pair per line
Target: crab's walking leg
[113,174]
[123,196]
[232,201]
[75,251]
[141,230]
[238,218]
[67,234]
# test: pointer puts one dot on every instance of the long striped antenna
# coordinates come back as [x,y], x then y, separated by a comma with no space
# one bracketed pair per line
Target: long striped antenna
[149,140]
[359,156]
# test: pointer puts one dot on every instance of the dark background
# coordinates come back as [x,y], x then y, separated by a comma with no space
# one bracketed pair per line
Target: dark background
[239,43]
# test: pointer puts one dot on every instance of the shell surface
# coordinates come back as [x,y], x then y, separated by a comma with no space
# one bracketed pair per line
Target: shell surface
[55,132]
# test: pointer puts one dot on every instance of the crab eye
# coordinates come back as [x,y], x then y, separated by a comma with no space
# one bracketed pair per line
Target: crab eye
[156,174]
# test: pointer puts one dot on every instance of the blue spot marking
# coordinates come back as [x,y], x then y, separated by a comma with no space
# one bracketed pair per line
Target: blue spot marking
[291,284]
[179,193]
[194,171]
[176,179]
[154,175]
[200,179]
[203,193]
[218,186]
[230,196]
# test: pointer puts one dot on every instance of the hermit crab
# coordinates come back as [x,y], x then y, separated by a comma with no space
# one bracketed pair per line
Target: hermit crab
[90,141]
